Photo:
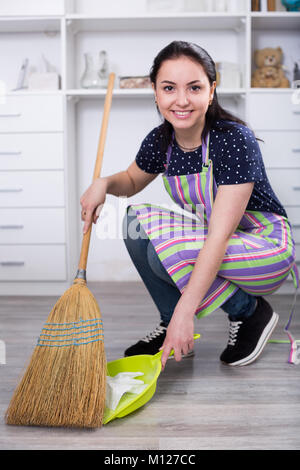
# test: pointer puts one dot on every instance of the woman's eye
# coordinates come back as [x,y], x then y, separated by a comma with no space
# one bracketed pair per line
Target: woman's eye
[168,88]
[171,88]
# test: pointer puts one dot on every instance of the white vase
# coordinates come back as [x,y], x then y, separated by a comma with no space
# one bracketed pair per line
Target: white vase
[90,77]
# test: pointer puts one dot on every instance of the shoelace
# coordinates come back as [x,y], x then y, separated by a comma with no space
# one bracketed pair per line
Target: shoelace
[234,327]
[157,332]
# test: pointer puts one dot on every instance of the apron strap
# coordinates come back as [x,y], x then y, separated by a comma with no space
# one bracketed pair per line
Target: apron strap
[169,153]
[294,356]
[210,186]
[205,151]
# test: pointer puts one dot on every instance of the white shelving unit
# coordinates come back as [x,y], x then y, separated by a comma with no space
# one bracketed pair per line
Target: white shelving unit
[51,137]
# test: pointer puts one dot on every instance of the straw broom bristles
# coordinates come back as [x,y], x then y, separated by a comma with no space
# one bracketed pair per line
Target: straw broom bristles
[65,385]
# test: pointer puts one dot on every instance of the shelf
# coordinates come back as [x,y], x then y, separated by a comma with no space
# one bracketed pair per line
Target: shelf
[138,93]
[231,92]
[30,25]
[26,92]
[117,92]
[276,21]
[272,90]
[154,22]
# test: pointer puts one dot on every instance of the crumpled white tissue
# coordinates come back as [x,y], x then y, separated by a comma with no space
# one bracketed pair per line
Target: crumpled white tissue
[121,383]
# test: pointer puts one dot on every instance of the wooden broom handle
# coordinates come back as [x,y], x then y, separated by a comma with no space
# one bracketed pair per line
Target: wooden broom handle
[98,165]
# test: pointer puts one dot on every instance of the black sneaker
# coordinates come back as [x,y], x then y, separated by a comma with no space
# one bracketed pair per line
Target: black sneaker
[247,338]
[151,343]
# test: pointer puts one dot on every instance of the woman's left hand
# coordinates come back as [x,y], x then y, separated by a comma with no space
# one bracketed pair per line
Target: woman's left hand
[180,336]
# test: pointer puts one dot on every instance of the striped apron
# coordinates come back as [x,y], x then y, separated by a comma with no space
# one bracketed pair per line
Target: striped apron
[260,254]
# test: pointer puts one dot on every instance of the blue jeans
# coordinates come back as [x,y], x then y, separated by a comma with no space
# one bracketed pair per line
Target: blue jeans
[159,283]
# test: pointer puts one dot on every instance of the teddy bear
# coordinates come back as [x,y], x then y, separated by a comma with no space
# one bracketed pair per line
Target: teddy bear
[269,72]
[269,77]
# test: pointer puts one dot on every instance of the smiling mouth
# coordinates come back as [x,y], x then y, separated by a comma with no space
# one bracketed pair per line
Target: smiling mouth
[182,114]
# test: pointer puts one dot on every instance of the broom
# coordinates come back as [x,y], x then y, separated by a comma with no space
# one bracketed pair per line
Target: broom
[65,382]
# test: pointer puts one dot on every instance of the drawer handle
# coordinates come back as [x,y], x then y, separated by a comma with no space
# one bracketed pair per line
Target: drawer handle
[296,188]
[12,263]
[11,115]
[15,153]
[296,150]
[17,227]
[296,226]
[11,190]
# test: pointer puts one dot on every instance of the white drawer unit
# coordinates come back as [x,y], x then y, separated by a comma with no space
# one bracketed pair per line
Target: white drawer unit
[31,151]
[33,242]
[280,148]
[21,226]
[32,262]
[32,189]
[286,184]
[34,113]
[273,111]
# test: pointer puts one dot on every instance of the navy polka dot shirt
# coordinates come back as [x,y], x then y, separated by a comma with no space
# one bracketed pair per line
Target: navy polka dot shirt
[236,159]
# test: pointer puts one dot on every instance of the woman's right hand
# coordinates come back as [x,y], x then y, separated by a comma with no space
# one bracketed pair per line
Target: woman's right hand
[92,202]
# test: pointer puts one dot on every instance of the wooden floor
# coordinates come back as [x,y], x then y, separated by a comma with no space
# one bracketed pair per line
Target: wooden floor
[199,402]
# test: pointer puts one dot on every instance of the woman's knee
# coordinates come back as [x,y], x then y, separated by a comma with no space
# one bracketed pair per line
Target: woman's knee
[157,267]
[127,220]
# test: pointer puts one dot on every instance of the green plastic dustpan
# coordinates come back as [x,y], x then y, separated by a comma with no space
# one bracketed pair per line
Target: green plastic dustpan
[150,365]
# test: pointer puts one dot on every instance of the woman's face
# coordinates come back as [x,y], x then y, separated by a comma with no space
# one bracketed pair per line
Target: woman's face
[183,93]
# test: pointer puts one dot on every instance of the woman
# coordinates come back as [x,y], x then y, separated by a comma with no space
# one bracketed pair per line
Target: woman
[229,255]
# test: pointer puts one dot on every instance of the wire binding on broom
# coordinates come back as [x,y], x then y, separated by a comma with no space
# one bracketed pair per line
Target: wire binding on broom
[51,340]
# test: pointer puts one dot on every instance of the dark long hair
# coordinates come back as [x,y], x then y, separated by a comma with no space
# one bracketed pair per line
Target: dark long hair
[215,112]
